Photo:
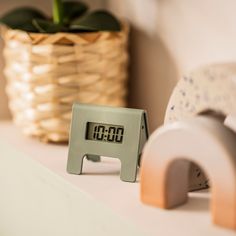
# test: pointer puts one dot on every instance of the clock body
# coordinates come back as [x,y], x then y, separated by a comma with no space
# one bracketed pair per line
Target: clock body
[107,131]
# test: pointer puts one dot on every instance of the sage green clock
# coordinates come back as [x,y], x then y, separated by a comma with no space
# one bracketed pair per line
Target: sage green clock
[107,131]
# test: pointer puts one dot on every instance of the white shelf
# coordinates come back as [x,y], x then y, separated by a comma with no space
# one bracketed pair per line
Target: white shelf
[38,197]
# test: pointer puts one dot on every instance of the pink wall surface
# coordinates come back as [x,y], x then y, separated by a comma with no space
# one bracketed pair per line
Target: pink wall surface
[170,38]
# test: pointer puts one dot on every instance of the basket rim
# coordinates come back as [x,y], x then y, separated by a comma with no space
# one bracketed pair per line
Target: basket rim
[62,38]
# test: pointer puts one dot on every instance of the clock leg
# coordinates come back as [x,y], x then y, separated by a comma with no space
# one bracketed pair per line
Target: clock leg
[75,164]
[129,170]
[94,158]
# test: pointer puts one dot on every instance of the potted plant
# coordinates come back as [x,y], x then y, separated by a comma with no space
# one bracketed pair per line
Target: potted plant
[75,56]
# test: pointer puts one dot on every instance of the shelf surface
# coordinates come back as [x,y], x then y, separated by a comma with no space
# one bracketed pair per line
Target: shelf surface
[38,196]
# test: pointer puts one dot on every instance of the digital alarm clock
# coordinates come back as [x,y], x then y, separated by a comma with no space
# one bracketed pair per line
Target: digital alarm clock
[107,131]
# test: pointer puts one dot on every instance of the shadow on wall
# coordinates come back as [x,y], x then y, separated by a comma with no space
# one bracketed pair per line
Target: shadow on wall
[154,74]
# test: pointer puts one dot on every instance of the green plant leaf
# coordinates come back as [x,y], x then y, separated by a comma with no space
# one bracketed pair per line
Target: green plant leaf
[46,26]
[21,18]
[97,21]
[73,9]
[58,12]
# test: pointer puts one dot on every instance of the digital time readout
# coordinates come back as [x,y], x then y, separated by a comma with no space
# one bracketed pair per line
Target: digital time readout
[104,132]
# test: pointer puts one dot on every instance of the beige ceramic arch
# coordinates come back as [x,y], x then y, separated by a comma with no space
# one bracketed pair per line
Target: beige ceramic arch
[166,161]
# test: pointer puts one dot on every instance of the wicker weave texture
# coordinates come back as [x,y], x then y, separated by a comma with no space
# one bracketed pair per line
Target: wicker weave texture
[46,74]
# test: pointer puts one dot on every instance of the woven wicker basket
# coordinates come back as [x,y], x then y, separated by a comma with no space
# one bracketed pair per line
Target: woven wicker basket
[47,73]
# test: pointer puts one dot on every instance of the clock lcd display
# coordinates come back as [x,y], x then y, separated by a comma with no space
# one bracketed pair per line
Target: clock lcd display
[104,132]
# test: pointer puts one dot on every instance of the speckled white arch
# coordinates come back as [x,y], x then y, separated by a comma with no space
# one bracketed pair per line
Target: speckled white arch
[209,87]
[167,157]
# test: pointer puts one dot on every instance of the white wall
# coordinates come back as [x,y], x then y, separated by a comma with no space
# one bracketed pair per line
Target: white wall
[184,35]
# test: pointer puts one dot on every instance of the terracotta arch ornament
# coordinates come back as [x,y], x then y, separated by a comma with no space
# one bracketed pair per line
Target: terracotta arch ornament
[166,160]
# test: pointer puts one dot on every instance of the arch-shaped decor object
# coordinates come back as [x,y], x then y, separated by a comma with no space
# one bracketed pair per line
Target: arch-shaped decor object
[166,161]
[209,87]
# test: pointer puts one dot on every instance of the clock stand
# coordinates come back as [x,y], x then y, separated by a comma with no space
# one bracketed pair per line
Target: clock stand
[107,131]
